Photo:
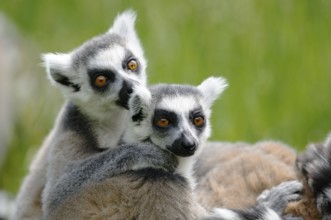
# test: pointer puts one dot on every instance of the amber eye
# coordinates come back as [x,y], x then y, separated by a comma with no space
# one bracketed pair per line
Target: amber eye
[100,81]
[162,123]
[132,65]
[199,121]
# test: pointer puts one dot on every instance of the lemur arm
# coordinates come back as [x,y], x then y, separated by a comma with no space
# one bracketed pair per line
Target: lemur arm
[130,157]
[110,163]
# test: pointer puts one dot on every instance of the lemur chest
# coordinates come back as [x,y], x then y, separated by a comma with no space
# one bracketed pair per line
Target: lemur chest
[109,137]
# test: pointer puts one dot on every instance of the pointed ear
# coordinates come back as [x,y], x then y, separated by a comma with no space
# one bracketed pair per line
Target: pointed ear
[211,88]
[139,103]
[58,70]
[124,25]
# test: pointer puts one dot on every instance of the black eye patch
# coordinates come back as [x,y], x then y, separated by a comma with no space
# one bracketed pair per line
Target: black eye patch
[95,73]
[164,114]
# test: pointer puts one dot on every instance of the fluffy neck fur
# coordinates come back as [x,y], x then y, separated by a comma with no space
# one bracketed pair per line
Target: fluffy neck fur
[106,129]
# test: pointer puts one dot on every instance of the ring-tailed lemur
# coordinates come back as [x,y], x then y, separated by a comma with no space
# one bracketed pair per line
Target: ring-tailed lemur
[234,174]
[97,79]
[141,179]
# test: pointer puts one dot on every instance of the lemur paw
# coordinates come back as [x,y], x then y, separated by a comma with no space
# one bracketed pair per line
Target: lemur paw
[151,156]
[278,197]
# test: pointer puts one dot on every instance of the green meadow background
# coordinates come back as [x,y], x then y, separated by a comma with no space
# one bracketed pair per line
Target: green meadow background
[276,56]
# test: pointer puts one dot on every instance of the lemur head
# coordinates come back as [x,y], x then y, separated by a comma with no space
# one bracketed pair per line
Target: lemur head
[173,117]
[100,74]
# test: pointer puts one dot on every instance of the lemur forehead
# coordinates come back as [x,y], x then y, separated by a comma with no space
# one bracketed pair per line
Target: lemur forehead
[162,90]
[90,48]
[176,98]
[112,57]
[180,104]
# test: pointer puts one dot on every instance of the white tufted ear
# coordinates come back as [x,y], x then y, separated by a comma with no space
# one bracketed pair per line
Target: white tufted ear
[124,25]
[211,88]
[58,67]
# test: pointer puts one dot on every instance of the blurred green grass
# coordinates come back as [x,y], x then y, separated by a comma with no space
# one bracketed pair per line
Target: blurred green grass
[275,54]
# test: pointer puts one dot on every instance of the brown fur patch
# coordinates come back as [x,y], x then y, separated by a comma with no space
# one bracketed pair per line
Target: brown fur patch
[241,173]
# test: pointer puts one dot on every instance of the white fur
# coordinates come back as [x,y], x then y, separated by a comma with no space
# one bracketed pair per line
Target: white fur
[124,23]
[180,103]
[270,215]
[141,98]
[102,58]
[144,96]
[328,141]
[225,214]
[185,169]
[116,129]
[61,63]
[54,62]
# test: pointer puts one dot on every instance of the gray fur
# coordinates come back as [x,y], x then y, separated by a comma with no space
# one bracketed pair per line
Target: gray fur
[108,164]
[279,196]
[88,122]
[90,48]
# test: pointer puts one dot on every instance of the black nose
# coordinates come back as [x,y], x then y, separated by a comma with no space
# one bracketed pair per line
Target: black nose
[188,145]
[183,147]
[124,94]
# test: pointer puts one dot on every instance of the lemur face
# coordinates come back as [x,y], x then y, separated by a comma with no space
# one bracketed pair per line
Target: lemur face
[179,123]
[101,73]
[174,117]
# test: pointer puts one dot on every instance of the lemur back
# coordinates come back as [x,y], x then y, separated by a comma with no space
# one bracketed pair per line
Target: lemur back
[149,176]
[96,79]
[234,174]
